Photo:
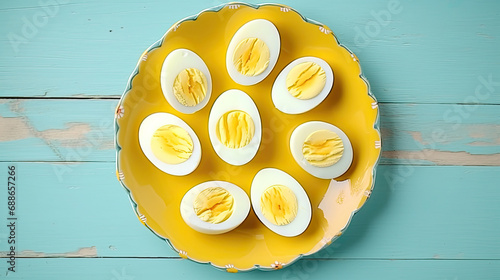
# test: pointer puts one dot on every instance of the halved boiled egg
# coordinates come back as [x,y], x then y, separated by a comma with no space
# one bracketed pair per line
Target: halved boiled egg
[215,207]
[185,81]
[321,149]
[252,52]
[280,202]
[170,144]
[302,85]
[234,127]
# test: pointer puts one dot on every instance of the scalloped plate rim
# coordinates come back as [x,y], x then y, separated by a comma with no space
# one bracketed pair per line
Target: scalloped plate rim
[158,44]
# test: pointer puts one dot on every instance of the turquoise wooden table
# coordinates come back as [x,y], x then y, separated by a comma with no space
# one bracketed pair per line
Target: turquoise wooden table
[435,210]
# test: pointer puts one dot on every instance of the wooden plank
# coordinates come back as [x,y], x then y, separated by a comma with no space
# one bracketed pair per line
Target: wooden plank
[129,269]
[57,130]
[418,212]
[89,48]
[77,209]
[82,130]
[440,134]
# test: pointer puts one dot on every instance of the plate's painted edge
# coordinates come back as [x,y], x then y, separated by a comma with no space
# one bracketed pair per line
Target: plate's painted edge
[120,111]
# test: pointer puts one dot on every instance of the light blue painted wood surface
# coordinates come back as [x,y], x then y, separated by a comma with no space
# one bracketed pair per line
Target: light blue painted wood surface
[427,52]
[84,207]
[128,269]
[425,134]
[434,213]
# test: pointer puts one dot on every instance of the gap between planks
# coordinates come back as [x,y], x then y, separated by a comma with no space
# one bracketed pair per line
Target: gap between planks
[304,258]
[405,162]
[117,97]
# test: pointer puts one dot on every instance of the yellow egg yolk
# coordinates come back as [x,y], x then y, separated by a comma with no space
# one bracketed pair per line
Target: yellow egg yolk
[235,129]
[190,87]
[279,205]
[306,80]
[213,205]
[251,57]
[171,144]
[323,148]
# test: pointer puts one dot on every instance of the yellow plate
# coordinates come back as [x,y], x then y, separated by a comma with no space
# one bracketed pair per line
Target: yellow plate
[350,106]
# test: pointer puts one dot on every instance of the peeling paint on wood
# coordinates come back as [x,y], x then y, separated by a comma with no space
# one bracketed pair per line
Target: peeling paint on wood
[84,131]
[422,71]
[73,132]
[86,252]
[445,157]
[12,129]
[484,144]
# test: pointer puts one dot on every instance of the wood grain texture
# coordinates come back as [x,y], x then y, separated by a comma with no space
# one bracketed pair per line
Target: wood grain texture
[130,269]
[409,52]
[433,66]
[80,210]
[82,130]
[57,130]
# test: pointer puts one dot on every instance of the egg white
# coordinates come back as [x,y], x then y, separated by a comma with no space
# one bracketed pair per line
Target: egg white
[271,176]
[149,126]
[174,63]
[231,100]
[289,104]
[241,208]
[263,30]
[297,139]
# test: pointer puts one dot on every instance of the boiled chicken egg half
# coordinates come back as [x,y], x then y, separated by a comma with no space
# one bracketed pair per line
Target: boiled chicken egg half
[215,207]
[280,202]
[170,144]
[302,85]
[185,81]
[234,127]
[253,52]
[321,149]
